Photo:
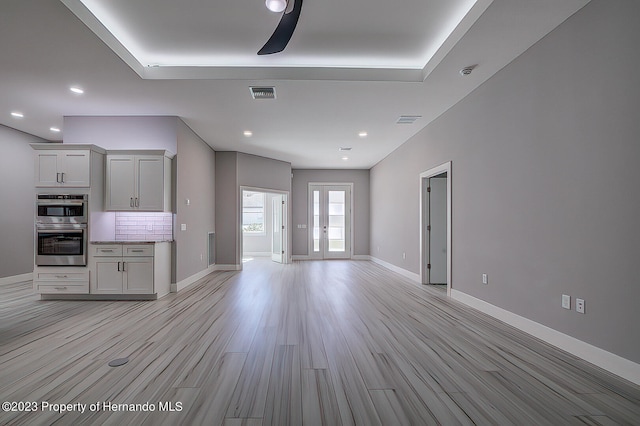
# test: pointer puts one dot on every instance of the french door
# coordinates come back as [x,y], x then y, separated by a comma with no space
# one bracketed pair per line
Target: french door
[330,220]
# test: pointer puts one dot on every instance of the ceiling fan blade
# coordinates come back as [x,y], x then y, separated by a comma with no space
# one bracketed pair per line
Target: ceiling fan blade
[283,32]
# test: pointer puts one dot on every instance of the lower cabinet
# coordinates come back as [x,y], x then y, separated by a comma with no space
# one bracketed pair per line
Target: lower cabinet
[61,280]
[122,269]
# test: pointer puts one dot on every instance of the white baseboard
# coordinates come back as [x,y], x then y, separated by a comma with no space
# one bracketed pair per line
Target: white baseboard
[299,257]
[17,278]
[408,274]
[611,362]
[360,257]
[181,285]
[227,267]
[257,253]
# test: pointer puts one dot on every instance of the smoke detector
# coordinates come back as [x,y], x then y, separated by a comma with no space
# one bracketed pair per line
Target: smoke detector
[467,70]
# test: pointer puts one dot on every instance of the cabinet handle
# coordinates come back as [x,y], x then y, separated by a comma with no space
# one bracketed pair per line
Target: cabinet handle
[61,276]
[137,202]
[131,202]
[137,251]
[118,266]
[123,263]
[58,178]
[62,181]
[107,251]
[60,288]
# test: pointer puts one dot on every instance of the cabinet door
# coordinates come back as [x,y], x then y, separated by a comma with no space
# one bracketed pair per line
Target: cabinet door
[138,276]
[150,183]
[47,168]
[108,279]
[120,183]
[75,169]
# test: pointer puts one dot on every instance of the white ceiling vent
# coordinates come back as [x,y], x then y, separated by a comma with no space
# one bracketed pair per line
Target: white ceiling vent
[408,119]
[263,92]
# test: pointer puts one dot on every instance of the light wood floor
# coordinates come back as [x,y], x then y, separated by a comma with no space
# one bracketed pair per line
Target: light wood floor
[311,343]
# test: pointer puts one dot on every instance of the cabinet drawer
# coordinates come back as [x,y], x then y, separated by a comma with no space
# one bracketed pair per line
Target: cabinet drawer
[141,250]
[48,287]
[62,277]
[107,250]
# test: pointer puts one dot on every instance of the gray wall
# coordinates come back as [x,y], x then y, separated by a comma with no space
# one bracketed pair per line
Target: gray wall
[233,170]
[195,181]
[545,182]
[226,187]
[300,205]
[137,132]
[17,193]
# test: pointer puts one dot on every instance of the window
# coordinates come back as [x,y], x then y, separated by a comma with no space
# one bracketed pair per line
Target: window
[253,212]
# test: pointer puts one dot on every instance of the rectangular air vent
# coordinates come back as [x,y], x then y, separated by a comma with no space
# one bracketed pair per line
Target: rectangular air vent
[345,148]
[263,92]
[408,119]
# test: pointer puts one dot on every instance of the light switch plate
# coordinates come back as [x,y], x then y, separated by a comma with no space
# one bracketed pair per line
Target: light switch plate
[183,227]
[566,301]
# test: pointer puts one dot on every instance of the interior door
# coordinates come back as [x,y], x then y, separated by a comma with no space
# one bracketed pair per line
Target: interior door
[277,236]
[330,230]
[438,230]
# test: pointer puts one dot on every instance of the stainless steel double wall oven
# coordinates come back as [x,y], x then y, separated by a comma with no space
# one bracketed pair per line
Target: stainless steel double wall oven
[61,229]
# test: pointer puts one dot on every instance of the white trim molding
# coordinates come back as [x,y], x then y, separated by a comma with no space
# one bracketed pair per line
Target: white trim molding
[613,363]
[360,257]
[390,266]
[227,267]
[17,278]
[181,285]
[300,257]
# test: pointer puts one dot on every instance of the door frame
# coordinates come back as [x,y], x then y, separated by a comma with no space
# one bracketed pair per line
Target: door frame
[286,221]
[424,220]
[310,218]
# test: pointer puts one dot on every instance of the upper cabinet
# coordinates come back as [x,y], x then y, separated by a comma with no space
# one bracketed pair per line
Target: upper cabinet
[60,166]
[138,181]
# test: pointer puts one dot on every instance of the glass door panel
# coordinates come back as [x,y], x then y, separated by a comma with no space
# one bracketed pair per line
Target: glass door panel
[330,221]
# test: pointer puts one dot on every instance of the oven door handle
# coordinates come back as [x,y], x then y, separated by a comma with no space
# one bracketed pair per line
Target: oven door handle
[54,228]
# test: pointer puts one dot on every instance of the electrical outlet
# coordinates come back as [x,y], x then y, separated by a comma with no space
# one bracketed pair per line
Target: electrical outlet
[580,306]
[485,279]
[183,226]
[566,301]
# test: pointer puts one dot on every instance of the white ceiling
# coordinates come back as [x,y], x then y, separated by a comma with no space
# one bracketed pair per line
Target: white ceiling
[351,66]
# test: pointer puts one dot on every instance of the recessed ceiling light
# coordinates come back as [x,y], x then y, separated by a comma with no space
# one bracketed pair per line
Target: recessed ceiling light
[276,5]
[248,133]
[345,158]
[17,114]
[363,134]
[54,129]
[76,90]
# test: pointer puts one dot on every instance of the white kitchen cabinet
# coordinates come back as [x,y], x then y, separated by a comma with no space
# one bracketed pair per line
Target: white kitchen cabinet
[63,168]
[122,269]
[71,166]
[138,182]
[130,270]
[61,280]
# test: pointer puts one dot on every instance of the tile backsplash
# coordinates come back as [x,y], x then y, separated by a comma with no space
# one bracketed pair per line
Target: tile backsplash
[144,226]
